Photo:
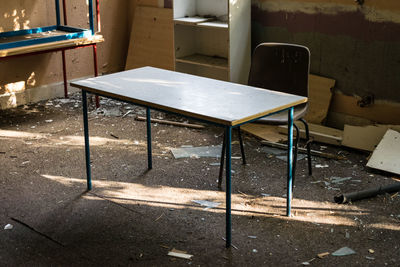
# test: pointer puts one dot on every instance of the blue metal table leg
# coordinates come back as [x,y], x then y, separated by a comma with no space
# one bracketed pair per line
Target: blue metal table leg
[289,162]
[228,170]
[149,156]
[87,147]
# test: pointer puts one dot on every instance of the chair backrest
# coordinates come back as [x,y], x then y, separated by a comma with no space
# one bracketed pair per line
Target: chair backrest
[281,67]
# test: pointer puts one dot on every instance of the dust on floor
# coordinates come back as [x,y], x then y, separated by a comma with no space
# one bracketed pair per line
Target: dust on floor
[135,217]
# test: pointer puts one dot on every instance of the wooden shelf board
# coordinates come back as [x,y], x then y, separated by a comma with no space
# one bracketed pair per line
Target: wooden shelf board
[207,61]
[214,24]
[191,20]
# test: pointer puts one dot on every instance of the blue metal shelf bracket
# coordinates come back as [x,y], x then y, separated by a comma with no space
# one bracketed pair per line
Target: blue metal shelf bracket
[58,12]
[91,16]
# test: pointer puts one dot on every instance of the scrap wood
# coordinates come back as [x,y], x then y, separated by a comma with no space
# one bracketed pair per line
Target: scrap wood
[386,155]
[159,217]
[175,123]
[304,151]
[263,131]
[319,98]
[323,255]
[179,254]
[365,137]
[318,133]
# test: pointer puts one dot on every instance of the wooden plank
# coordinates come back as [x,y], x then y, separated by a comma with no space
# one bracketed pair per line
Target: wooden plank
[318,133]
[207,61]
[304,150]
[263,131]
[365,137]
[382,112]
[339,120]
[386,155]
[204,71]
[320,95]
[191,20]
[151,42]
[153,3]
[214,24]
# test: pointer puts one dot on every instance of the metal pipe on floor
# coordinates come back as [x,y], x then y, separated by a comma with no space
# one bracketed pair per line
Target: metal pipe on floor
[350,197]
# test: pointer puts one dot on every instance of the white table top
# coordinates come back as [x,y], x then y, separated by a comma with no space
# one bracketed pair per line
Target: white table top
[203,98]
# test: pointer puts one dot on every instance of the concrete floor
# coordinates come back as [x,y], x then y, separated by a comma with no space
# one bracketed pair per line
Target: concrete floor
[134,216]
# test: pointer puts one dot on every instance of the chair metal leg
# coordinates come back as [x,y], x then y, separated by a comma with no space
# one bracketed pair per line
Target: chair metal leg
[241,146]
[296,145]
[221,166]
[308,146]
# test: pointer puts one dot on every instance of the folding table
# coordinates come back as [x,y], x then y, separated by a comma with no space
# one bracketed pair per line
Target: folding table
[224,104]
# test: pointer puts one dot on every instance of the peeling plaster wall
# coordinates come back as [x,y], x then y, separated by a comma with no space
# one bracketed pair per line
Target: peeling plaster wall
[359,46]
[24,73]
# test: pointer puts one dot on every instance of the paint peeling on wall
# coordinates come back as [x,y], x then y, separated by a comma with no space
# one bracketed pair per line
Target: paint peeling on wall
[377,11]
[351,24]
[359,46]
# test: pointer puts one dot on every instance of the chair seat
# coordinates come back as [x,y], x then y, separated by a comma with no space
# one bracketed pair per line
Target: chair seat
[282,117]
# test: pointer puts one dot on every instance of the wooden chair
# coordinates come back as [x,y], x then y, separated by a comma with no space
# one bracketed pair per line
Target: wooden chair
[284,68]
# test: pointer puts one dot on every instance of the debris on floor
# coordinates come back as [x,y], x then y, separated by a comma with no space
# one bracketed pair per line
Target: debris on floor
[386,155]
[197,152]
[108,112]
[344,251]
[339,180]
[180,254]
[207,204]
[321,166]
[8,227]
[174,123]
[279,153]
[299,157]
[302,150]
[350,197]
[306,263]
[323,255]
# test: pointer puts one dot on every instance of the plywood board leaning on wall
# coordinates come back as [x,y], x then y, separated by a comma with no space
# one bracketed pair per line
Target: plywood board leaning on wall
[365,137]
[151,42]
[319,98]
[386,155]
[382,112]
